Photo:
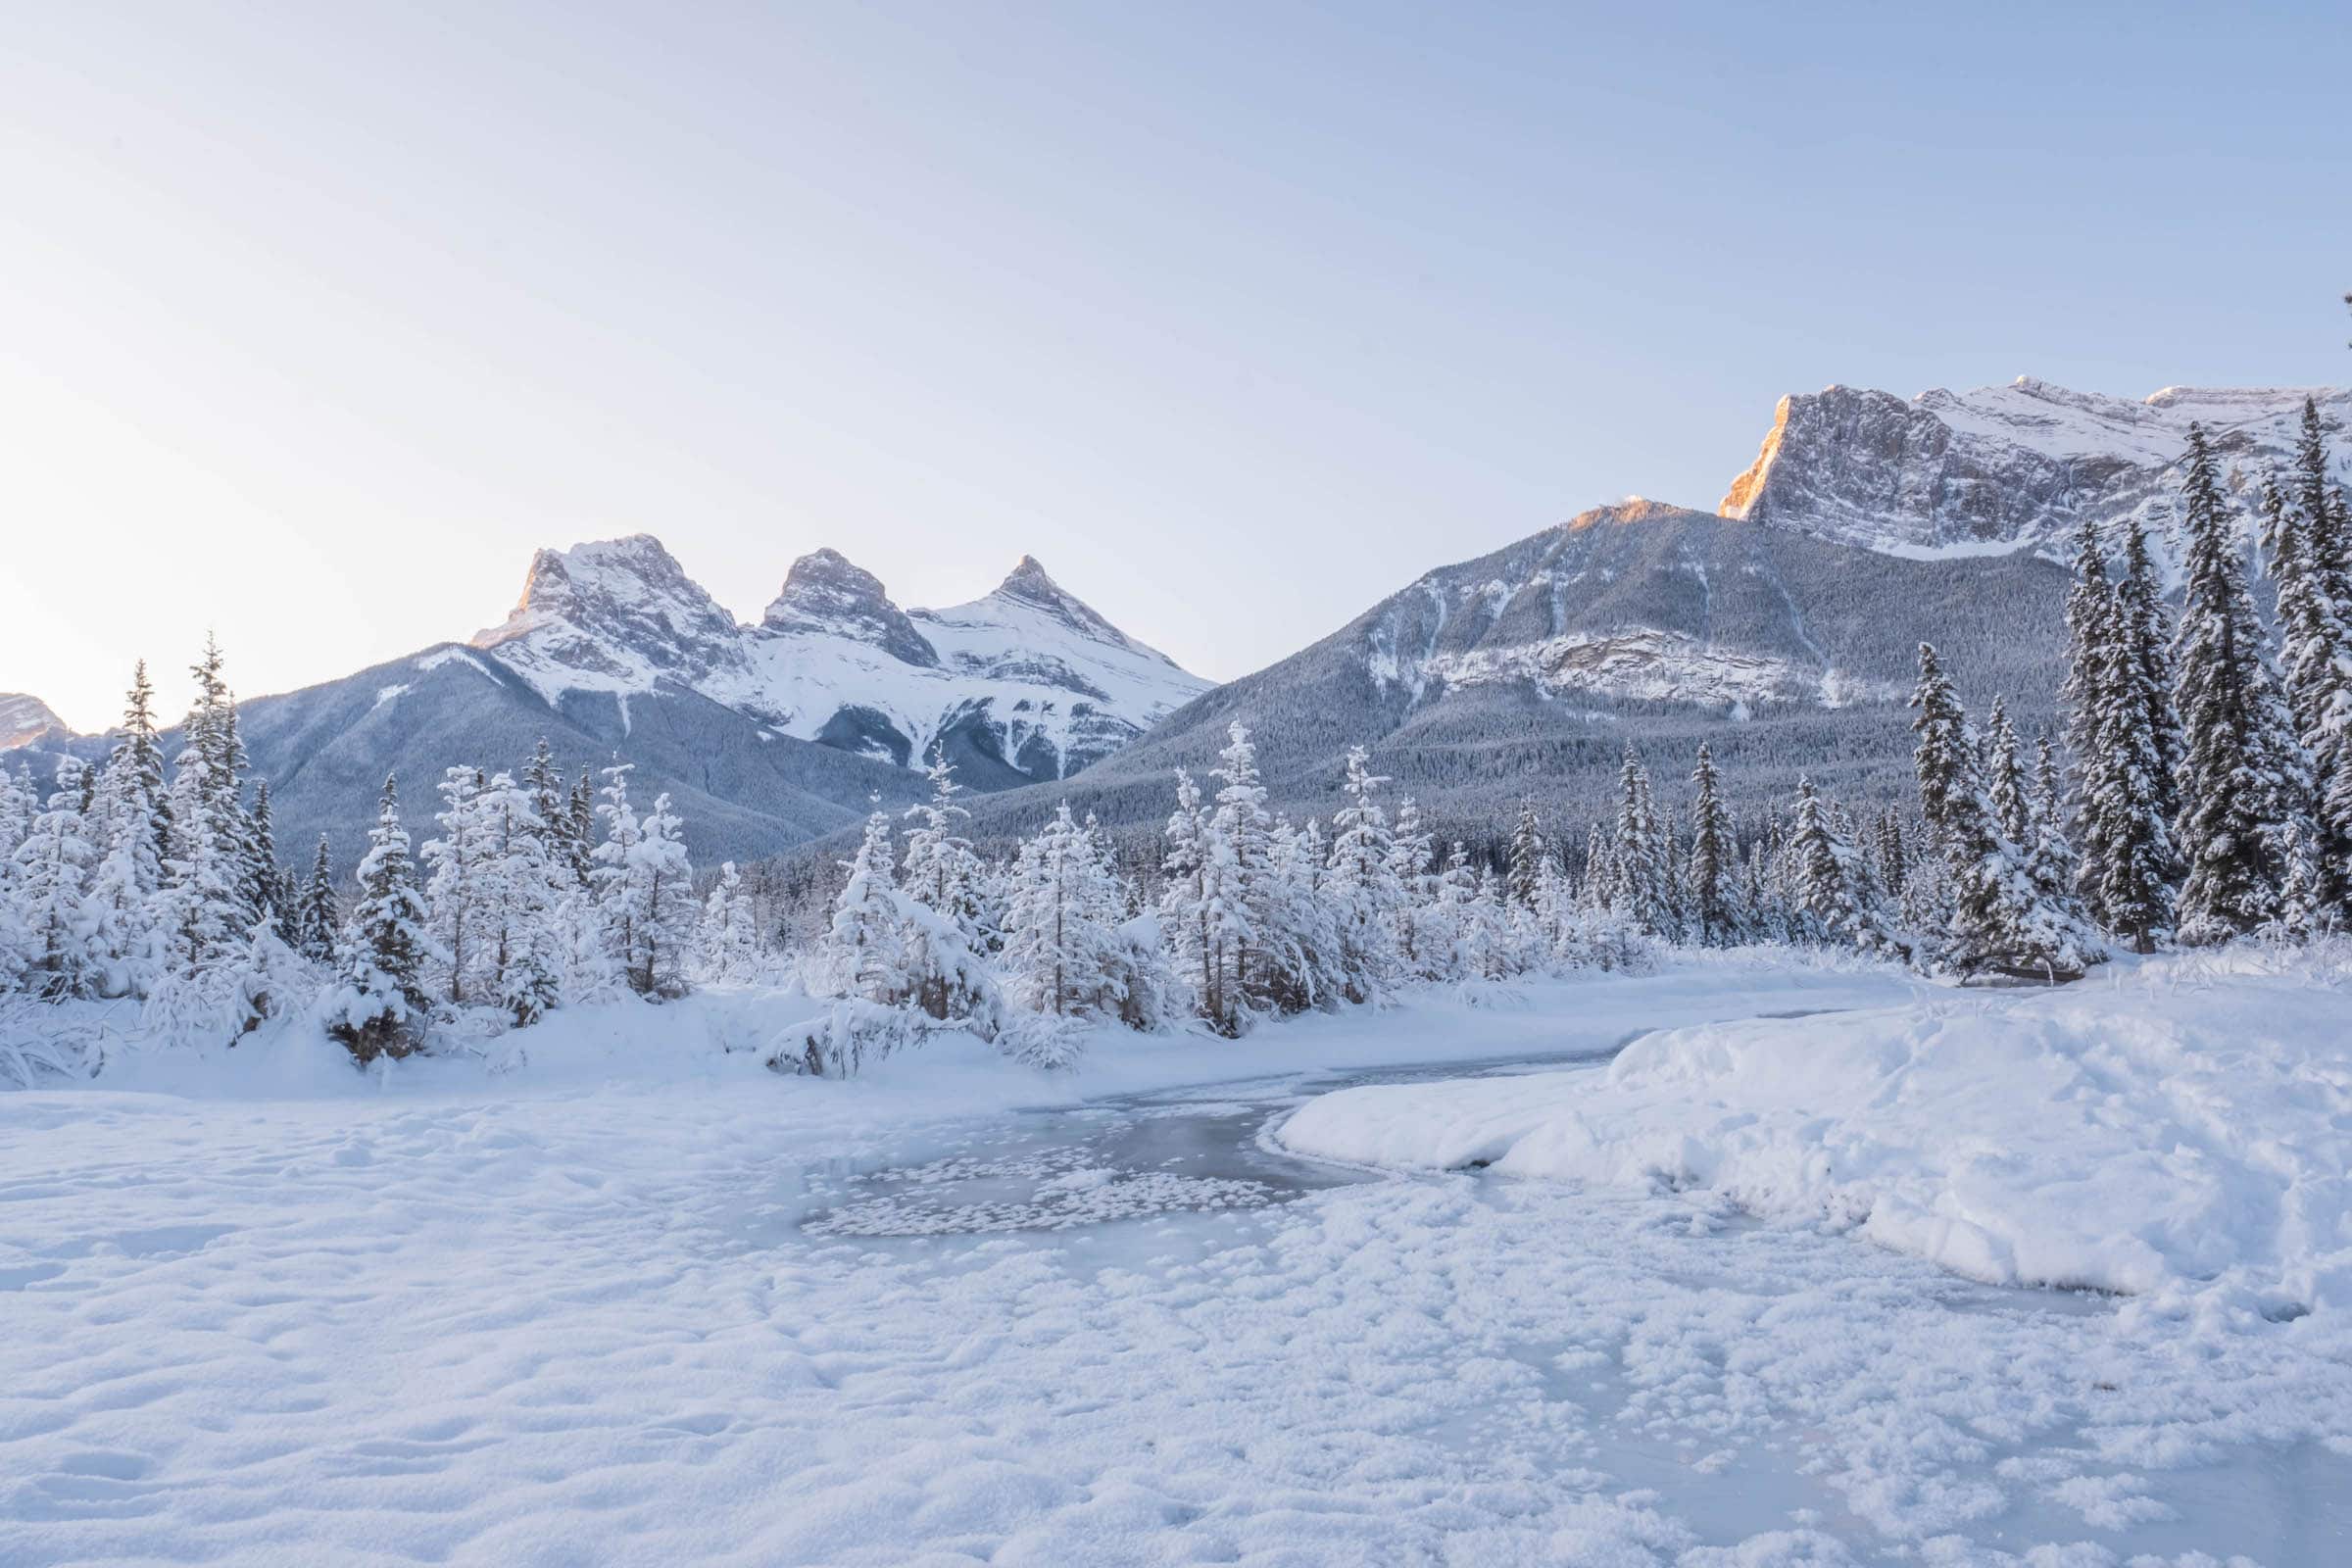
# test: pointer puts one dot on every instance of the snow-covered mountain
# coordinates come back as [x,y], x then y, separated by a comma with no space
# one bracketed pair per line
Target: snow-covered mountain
[2007,467]
[1026,681]
[1525,671]
[766,736]
[24,720]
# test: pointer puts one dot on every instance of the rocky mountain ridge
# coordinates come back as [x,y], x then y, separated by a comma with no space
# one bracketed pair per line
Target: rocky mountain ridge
[2009,467]
[25,719]
[1028,679]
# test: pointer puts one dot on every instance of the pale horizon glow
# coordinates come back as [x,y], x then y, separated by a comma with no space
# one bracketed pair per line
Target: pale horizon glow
[316,322]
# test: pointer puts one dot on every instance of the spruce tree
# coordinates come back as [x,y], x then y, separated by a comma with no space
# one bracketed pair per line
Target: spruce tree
[1241,840]
[2005,782]
[1831,888]
[454,889]
[660,885]
[379,1008]
[864,951]
[1185,909]
[1997,918]
[2146,628]
[942,873]
[1410,858]
[1365,892]
[2321,505]
[727,941]
[1526,857]
[125,824]
[320,918]
[2243,780]
[2316,669]
[1056,947]
[1714,860]
[50,890]
[617,912]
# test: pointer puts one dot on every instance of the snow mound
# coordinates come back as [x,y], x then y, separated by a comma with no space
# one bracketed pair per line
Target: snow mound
[2182,1134]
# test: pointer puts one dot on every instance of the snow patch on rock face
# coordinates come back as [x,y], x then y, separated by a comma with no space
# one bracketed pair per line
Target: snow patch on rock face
[2007,467]
[25,720]
[1641,664]
[1051,683]
[457,656]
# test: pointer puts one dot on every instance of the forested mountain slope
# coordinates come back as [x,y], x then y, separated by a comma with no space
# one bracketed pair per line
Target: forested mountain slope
[1526,672]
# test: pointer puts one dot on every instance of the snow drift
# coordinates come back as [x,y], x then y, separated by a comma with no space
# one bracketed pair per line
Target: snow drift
[2180,1132]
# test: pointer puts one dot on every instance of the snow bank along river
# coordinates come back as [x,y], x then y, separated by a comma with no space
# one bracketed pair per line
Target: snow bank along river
[657,1321]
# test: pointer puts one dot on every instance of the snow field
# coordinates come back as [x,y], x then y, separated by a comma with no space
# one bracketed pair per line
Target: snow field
[262,1309]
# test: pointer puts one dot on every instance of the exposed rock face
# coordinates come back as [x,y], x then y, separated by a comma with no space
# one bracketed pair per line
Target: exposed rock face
[619,614]
[2018,467]
[825,595]
[25,720]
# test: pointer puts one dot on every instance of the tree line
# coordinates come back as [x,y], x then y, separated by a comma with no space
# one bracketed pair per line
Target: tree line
[2201,792]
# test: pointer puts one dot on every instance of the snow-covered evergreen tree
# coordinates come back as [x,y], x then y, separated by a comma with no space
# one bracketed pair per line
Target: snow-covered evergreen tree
[1241,845]
[2145,628]
[127,826]
[579,834]
[727,941]
[2315,635]
[1410,846]
[1997,918]
[321,918]
[2325,517]
[378,1006]
[518,894]
[863,953]
[1714,860]
[50,888]
[614,909]
[2049,853]
[1831,886]
[458,888]
[1303,959]
[660,883]
[2005,783]
[2244,784]
[1059,923]
[1190,867]
[1365,892]
[942,873]
[1525,859]
[1449,936]
[264,877]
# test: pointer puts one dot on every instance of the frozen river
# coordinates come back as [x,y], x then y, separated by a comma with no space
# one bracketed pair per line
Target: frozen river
[1465,1367]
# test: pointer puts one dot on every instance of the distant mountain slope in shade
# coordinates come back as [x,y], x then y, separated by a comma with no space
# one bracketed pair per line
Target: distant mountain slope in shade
[1026,683]
[1525,671]
[25,719]
[744,791]
[2007,467]
[767,736]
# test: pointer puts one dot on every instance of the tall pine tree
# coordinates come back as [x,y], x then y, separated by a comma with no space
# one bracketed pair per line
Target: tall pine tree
[2243,784]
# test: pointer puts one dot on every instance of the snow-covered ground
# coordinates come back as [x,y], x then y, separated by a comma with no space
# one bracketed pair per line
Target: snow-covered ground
[2179,1131]
[635,1300]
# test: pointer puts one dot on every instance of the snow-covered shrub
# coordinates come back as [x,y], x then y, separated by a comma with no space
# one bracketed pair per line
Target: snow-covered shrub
[851,1035]
[1606,939]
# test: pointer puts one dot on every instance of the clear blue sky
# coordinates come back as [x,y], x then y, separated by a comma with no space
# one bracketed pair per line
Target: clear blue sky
[316,319]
